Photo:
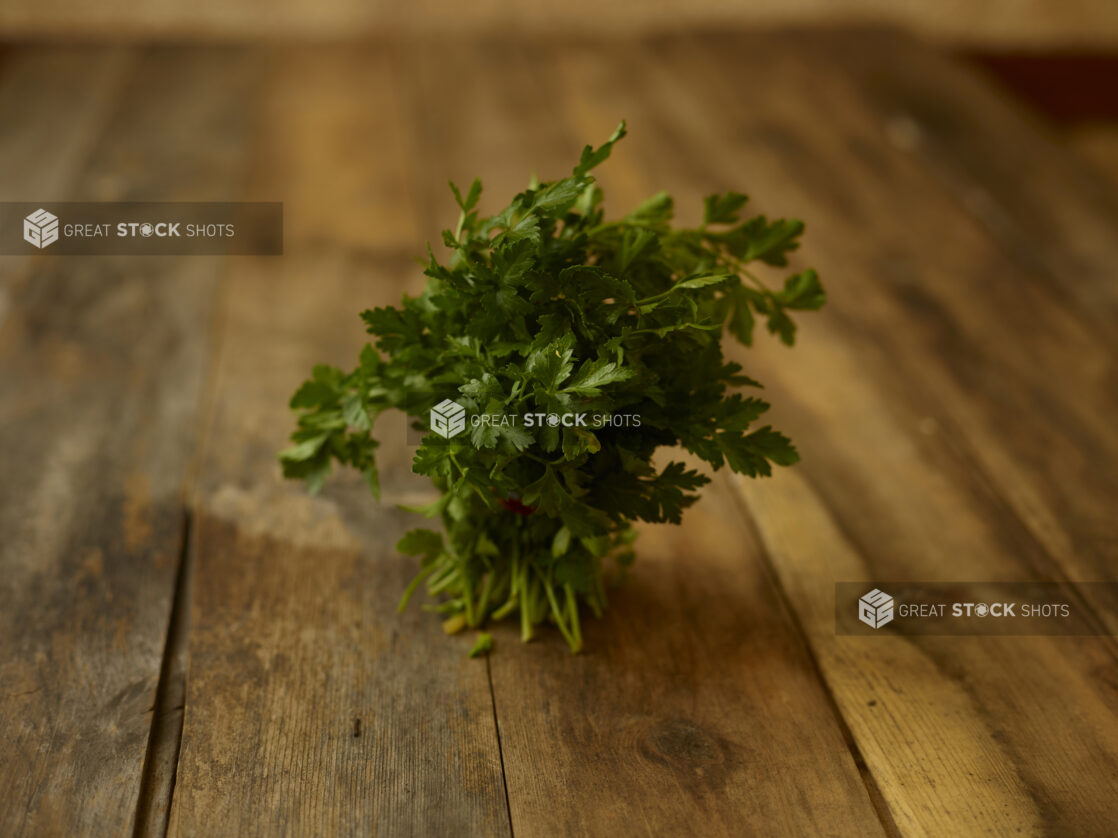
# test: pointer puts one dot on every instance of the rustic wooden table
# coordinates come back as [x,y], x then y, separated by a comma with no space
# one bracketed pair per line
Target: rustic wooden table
[190,644]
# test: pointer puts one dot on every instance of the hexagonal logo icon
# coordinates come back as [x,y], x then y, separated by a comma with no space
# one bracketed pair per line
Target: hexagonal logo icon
[40,228]
[448,419]
[875,609]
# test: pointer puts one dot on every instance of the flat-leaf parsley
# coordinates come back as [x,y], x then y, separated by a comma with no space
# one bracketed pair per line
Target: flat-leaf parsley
[544,313]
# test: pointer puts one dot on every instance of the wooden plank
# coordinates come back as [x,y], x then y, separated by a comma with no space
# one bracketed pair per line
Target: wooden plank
[961,734]
[958,733]
[101,367]
[1002,163]
[312,707]
[694,704]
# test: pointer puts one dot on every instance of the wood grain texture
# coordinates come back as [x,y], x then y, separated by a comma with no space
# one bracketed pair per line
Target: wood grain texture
[312,707]
[101,365]
[959,735]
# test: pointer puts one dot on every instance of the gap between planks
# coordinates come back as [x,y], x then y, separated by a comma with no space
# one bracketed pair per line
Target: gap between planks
[157,779]
[500,749]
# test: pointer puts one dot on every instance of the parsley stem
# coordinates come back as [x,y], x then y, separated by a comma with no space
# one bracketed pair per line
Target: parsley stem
[443,580]
[740,267]
[504,610]
[572,608]
[410,589]
[525,612]
[614,225]
[467,595]
[557,613]
[483,600]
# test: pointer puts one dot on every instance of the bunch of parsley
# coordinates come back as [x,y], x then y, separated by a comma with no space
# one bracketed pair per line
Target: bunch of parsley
[548,308]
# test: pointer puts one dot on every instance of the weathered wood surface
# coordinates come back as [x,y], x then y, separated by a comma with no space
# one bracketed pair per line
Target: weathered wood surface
[312,708]
[953,405]
[101,373]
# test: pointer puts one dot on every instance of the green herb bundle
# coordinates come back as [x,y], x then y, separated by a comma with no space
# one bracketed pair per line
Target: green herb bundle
[543,313]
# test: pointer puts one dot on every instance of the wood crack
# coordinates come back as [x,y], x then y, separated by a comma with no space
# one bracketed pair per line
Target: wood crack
[500,750]
[157,783]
